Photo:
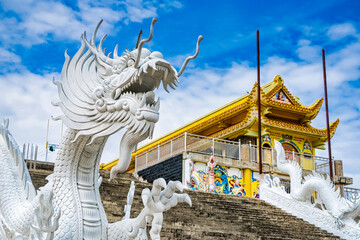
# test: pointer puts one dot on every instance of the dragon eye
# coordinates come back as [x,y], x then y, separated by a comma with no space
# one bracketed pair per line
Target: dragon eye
[131,62]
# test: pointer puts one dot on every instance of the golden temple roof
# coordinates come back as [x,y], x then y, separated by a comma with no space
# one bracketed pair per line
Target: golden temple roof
[280,109]
[293,104]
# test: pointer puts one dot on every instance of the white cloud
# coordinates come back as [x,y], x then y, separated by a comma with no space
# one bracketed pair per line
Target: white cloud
[339,31]
[308,52]
[138,10]
[8,57]
[8,34]
[26,100]
[38,21]
[90,15]
[279,29]
[169,5]
[35,22]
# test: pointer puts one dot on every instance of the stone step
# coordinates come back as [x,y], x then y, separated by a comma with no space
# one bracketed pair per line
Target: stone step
[212,216]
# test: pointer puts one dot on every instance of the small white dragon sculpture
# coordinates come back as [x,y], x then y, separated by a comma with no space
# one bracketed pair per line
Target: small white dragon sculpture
[99,95]
[342,210]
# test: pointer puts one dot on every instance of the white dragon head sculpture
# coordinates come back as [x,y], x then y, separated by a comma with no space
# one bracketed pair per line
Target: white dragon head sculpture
[100,94]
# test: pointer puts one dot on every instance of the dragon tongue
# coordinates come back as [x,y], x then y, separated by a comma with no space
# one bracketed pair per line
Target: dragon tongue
[147,98]
[150,96]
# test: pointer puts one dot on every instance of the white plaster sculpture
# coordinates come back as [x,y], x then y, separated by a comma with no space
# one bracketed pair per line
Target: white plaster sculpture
[99,95]
[336,214]
[23,212]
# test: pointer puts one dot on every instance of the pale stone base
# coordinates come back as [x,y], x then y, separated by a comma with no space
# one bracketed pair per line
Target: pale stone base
[307,212]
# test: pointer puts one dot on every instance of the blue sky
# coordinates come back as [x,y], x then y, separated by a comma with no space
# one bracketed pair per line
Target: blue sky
[35,34]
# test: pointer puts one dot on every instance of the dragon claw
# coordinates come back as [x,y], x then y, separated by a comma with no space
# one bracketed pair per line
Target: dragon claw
[156,189]
[160,182]
[179,186]
[145,196]
[159,199]
[188,200]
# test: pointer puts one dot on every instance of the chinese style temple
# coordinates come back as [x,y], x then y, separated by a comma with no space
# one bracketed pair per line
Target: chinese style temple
[230,134]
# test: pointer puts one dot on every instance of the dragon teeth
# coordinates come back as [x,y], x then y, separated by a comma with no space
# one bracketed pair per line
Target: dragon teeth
[157,104]
[143,101]
[165,87]
[166,74]
[153,65]
[139,96]
[117,93]
[172,86]
[158,84]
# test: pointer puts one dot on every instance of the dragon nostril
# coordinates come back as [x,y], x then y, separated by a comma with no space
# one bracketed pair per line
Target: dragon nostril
[139,116]
[125,106]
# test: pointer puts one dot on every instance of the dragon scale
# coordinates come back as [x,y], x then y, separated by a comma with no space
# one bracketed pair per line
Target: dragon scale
[76,191]
[16,199]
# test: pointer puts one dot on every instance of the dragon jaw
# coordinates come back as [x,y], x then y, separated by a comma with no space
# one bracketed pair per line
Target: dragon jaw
[100,95]
[142,82]
[132,90]
[151,72]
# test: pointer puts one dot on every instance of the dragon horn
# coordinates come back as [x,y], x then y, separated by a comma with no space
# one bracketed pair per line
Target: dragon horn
[105,61]
[116,51]
[136,65]
[138,39]
[92,41]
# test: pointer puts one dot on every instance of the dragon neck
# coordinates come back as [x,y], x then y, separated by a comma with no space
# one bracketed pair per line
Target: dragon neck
[76,188]
[295,173]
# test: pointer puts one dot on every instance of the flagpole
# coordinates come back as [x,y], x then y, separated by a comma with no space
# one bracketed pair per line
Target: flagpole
[47,136]
[327,116]
[259,102]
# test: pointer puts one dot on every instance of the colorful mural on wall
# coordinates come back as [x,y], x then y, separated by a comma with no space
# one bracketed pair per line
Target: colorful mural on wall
[255,185]
[227,180]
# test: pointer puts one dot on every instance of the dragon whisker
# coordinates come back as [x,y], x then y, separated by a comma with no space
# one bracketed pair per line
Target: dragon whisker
[191,57]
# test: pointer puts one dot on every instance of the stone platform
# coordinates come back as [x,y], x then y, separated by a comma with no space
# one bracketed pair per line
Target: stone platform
[212,216]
